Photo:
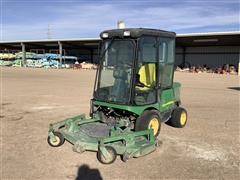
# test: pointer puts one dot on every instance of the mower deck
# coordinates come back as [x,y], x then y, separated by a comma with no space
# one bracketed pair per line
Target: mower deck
[90,134]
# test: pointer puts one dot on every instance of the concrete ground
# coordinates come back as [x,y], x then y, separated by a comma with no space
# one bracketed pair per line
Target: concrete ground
[31,99]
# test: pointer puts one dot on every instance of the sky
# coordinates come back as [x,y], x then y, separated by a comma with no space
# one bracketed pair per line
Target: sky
[42,19]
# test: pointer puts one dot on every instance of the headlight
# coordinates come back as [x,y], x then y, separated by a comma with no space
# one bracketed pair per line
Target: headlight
[126,33]
[105,35]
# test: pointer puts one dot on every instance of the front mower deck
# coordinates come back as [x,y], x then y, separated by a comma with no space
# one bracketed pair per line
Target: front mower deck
[90,134]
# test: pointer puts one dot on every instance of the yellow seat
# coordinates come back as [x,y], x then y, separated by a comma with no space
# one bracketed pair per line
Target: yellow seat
[147,73]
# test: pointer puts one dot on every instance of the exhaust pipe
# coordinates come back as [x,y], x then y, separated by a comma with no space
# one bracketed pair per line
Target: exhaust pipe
[121,24]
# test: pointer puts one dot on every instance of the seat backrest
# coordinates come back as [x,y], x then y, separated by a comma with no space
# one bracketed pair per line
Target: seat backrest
[147,73]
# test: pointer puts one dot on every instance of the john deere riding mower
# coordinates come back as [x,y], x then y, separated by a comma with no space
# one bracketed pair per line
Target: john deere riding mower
[134,94]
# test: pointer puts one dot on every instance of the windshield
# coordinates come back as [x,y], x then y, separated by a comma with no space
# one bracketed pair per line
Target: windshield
[114,78]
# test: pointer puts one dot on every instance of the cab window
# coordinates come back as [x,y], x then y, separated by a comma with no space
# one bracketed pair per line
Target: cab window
[166,51]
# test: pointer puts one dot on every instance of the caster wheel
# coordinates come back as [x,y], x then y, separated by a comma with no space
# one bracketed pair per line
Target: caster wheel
[112,155]
[57,141]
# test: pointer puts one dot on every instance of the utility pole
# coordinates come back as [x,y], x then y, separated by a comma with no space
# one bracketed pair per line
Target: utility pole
[49,32]
[23,55]
[60,53]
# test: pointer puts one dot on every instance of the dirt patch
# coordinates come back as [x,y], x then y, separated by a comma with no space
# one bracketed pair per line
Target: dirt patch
[207,148]
[6,104]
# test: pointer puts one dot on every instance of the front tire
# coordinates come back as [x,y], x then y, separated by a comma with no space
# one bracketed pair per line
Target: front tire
[149,119]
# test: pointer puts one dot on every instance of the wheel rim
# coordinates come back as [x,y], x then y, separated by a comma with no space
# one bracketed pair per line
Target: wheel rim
[183,118]
[107,160]
[154,124]
[55,141]
[110,158]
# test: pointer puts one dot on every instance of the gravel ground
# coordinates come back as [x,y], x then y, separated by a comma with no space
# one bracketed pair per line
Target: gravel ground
[31,99]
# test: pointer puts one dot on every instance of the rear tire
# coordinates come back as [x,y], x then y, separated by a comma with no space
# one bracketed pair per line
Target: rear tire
[178,118]
[149,119]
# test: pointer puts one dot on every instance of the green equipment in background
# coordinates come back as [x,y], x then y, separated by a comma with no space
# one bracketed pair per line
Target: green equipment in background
[134,94]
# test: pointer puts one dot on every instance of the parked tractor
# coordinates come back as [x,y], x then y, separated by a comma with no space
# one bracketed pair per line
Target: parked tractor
[134,94]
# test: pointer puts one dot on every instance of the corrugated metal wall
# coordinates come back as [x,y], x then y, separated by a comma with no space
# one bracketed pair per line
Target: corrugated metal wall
[179,56]
[87,55]
[212,56]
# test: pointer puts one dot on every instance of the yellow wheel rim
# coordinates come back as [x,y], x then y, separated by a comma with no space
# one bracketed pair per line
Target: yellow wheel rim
[55,141]
[154,124]
[183,118]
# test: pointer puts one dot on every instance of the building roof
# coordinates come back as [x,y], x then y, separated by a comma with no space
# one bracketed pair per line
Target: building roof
[51,40]
[231,38]
[189,39]
[209,34]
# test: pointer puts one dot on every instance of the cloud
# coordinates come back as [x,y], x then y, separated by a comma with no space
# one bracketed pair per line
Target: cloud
[87,20]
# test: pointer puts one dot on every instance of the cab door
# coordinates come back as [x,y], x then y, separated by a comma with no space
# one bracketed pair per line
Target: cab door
[146,71]
[166,58]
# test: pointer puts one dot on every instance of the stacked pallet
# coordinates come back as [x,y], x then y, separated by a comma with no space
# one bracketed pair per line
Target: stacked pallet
[46,60]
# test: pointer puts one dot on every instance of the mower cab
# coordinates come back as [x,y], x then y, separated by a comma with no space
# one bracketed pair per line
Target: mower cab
[133,94]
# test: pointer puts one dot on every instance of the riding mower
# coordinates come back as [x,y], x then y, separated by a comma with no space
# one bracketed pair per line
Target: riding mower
[134,94]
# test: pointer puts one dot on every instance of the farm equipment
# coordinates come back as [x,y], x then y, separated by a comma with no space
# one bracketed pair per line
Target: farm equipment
[134,94]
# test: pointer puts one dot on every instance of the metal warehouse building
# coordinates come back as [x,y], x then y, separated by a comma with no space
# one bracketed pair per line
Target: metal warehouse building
[212,49]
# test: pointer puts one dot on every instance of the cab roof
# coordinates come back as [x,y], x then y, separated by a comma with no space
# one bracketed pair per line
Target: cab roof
[137,32]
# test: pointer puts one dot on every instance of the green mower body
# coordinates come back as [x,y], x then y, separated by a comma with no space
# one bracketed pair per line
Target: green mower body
[134,94]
